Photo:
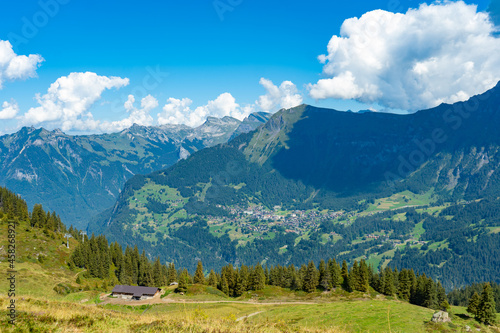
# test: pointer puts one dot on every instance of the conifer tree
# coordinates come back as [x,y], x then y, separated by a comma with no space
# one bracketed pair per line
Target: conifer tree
[199,278]
[172,273]
[441,293]
[311,278]
[323,275]
[473,305]
[258,278]
[296,280]
[389,289]
[354,280]
[245,277]
[224,285]
[430,294]
[345,277]
[335,276]
[363,276]
[404,288]
[183,283]
[418,292]
[239,288]
[486,312]
[212,279]
[158,277]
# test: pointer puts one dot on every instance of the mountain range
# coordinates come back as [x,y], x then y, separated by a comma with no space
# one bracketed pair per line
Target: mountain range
[80,176]
[313,183]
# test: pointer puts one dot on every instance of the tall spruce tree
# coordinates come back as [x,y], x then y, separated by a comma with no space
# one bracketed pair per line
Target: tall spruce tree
[363,276]
[486,312]
[430,294]
[212,279]
[345,276]
[183,283]
[258,278]
[404,288]
[388,289]
[311,278]
[473,305]
[224,286]
[335,277]
[198,275]
[323,275]
[172,273]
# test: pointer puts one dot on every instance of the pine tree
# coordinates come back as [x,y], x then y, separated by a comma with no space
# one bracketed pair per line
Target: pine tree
[224,285]
[388,289]
[354,278]
[158,277]
[172,273]
[336,277]
[239,288]
[258,278]
[473,306]
[183,283]
[404,288]
[296,280]
[345,277]
[418,291]
[245,277]
[364,276]
[212,279]
[311,278]
[486,312]
[441,294]
[38,217]
[430,294]
[323,275]
[199,278]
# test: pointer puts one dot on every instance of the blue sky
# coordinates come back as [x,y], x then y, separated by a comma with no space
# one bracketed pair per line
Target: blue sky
[201,48]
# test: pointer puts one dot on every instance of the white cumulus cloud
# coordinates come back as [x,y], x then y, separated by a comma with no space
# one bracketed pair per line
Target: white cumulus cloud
[137,116]
[16,67]
[179,111]
[9,110]
[284,96]
[445,52]
[69,98]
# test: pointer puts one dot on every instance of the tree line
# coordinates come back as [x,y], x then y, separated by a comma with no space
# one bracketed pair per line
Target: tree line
[13,207]
[109,261]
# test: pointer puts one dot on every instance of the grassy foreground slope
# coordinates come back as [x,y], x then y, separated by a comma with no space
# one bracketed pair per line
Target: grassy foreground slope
[40,315]
[41,261]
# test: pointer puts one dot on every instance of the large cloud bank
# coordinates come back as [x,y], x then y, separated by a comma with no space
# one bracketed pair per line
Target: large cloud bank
[444,52]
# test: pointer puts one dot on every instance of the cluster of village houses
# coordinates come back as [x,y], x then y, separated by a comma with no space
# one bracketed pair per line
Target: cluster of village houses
[296,221]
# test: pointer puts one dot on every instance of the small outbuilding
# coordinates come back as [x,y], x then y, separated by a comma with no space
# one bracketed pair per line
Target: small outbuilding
[135,292]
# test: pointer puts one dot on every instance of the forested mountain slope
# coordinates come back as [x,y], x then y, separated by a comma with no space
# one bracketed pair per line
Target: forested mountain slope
[315,183]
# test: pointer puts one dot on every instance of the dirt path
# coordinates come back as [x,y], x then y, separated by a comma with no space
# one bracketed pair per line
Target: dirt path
[247,316]
[158,300]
